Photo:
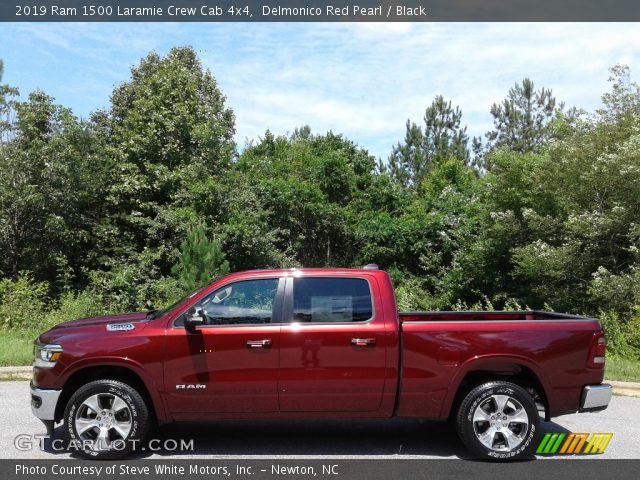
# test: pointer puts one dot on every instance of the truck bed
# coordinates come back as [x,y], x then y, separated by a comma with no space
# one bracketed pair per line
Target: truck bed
[440,348]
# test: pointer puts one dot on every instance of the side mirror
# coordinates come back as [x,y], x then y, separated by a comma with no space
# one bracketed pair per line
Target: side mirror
[193,318]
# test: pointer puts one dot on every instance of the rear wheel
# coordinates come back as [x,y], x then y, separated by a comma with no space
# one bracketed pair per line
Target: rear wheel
[498,420]
[106,419]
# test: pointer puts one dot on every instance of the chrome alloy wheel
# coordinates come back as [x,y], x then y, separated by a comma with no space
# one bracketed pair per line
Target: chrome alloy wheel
[500,422]
[102,421]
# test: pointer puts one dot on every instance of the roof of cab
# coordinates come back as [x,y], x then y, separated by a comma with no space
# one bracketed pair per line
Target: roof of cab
[303,271]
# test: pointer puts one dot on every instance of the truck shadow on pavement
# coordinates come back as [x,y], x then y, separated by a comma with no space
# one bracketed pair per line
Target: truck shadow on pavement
[369,438]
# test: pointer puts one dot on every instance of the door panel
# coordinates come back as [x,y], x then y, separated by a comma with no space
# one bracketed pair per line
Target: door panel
[236,377]
[328,364]
[231,364]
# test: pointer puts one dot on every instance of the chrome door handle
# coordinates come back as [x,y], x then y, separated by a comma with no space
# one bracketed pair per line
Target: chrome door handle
[363,342]
[266,343]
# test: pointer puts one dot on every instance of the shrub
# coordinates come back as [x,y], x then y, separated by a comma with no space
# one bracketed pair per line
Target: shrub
[623,335]
[73,306]
[410,296]
[134,286]
[615,292]
[633,332]
[22,302]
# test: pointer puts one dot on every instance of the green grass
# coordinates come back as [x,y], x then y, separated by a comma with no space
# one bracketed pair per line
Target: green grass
[622,370]
[16,348]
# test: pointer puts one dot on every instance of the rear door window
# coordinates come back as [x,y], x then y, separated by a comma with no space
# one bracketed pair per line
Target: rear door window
[331,300]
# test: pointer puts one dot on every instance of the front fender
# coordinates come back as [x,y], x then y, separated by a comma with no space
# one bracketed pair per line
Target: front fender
[95,363]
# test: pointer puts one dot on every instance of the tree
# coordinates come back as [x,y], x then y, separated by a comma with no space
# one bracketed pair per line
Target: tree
[48,188]
[201,260]
[560,227]
[408,162]
[302,191]
[443,137]
[169,133]
[8,101]
[624,97]
[172,113]
[522,120]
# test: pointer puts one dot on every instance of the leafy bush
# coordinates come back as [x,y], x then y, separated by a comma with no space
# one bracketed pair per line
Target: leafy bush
[22,302]
[135,286]
[411,296]
[615,292]
[73,306]
[623,335]
[632,330]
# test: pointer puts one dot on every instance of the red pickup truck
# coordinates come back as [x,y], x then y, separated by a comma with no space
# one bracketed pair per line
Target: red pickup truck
[315,343]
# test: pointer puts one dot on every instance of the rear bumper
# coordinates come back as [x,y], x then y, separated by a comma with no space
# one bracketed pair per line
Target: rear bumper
[595,397]
[43,402]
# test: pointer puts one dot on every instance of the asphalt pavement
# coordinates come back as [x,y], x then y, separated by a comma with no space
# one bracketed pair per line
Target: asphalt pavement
[398,438]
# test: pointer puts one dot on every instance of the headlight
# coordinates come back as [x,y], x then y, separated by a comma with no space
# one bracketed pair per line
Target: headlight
[46,356]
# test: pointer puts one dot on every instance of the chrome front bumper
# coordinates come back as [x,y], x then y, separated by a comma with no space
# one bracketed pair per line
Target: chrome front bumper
[596,397]
[43,402]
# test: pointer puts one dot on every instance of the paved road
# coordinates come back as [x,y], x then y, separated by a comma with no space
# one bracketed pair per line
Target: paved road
[323,439]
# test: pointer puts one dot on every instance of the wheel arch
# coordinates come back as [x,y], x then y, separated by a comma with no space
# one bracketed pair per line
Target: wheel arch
[123,372]
[480,370]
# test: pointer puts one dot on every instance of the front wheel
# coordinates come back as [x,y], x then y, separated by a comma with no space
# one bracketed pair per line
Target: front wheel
[106,419]
[498,420]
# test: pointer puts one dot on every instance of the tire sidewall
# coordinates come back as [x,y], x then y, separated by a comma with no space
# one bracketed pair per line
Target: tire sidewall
[480,394]
[135,405]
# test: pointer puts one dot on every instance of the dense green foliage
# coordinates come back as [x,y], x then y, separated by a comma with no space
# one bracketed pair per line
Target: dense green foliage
[150,198]
[522,120]
[201,259]
[443,137]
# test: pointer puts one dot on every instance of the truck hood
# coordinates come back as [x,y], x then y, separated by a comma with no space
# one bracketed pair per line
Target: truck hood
[93,324]
[85,322]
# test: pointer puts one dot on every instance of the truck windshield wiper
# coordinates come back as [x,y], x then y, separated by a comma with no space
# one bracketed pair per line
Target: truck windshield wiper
[152,314]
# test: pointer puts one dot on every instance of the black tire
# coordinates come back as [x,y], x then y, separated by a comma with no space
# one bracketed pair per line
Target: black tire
[503,437]
[120,430]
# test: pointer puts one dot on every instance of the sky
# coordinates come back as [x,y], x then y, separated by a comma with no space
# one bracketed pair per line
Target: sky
[363,80]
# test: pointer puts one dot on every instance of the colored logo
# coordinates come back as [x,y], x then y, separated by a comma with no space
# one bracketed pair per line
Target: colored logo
[573,443]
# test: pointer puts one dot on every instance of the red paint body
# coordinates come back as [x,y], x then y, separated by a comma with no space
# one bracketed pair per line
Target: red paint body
[414,364]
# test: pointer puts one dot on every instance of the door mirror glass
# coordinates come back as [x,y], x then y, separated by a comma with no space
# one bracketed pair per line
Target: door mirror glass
[194,318]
